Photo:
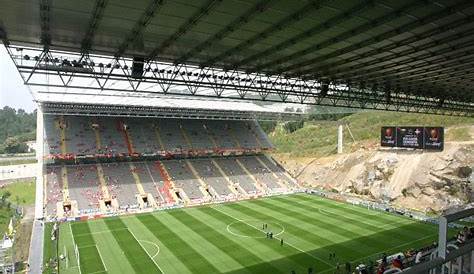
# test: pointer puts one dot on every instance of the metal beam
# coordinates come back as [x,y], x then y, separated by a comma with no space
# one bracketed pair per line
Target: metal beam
[139,26]
[341,37]
[231,27]
[96,17]
[278,26]
[424,73]
[45,6]
[379,69]
[183,29]
[183,79]
[4,35]
[304,35]
[314,63]
[381,61]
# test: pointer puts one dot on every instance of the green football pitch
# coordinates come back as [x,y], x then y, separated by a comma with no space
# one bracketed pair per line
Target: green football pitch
[230,238]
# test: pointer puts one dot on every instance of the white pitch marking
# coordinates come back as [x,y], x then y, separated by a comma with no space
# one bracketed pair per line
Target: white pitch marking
[74,244]
[100,256]
[100,232]
[254,237]
[146,251]
[383,251]
[295,247]
[157,247]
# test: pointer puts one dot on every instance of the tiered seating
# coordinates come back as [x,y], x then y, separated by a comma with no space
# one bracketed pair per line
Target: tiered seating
[259,171]
[209,164]
[54,188]
[80,136]
[170,132]
[83,185]
[260,134]
[219,131]
[52,140]
[121,184]
[144,139]
[197,135]
[96,136]
[151,180]
[183,178]
[237,174]
[244,136]
[210,174]
[112,139]
[278,171]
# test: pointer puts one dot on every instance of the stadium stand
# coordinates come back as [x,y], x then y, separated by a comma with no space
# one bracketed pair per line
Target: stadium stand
[239,176]
[73,136]
[101,165]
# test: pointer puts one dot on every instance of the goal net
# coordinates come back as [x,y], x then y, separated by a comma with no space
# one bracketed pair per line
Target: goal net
[76,252]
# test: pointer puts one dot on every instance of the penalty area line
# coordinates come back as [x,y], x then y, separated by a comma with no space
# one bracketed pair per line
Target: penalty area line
[289,244]
[146,251]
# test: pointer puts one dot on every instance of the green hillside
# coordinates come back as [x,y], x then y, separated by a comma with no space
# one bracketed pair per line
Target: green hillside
[318,137]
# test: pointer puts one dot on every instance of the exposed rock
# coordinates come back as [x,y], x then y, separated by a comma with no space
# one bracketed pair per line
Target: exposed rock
[427,181]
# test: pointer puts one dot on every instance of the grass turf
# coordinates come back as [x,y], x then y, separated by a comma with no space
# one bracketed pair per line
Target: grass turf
[22,192]
[229,238]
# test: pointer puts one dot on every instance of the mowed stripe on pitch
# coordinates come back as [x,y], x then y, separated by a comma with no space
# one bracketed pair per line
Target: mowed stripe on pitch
[366,241]
[288,258]
[89,258]
[228,245]
[408,233]
[193,260]
[136,255]
[200,242]
[371,237]
[344,226]
[367,215]
[110,250]
[308,238]
[364,220]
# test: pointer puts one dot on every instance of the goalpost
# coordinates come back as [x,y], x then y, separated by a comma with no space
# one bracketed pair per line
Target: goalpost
[76,252]
[76,249]
[66,257]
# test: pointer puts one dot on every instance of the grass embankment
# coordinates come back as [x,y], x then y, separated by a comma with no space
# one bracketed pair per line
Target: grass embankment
[12,195]
[8,162]
[319,138]
[18,194]
[22,192]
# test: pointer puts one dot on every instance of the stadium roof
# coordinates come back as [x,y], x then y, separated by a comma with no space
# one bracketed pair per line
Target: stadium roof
[151,105]
[384,51]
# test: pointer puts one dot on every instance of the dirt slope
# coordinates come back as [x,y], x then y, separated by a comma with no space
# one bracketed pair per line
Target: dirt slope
[421,180]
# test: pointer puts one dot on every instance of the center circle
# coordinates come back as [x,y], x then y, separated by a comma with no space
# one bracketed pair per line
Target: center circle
[253,228]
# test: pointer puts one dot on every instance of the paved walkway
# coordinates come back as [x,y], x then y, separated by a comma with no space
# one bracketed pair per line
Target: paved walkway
[36,248]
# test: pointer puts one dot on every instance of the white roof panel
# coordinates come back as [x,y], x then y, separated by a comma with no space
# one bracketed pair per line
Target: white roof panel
[148,100]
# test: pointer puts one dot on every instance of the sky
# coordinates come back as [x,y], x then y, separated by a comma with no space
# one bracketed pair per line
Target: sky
[13,92]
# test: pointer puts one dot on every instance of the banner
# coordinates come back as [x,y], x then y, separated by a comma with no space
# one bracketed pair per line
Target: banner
[434,138]
[431,138]
[410,137]
[388,137]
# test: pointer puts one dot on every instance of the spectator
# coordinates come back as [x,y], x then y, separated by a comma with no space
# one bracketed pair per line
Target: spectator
[418,257]
[381,268]
[461,239]
[397,262]
[466,233]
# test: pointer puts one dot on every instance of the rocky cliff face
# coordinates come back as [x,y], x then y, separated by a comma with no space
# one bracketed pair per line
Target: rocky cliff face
[426,181]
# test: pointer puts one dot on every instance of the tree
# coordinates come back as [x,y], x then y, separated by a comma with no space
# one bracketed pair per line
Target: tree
[13,145]
[293,126]
[15,123]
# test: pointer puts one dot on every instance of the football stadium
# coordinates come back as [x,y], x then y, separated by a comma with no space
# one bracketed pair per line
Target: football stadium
[154,153]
